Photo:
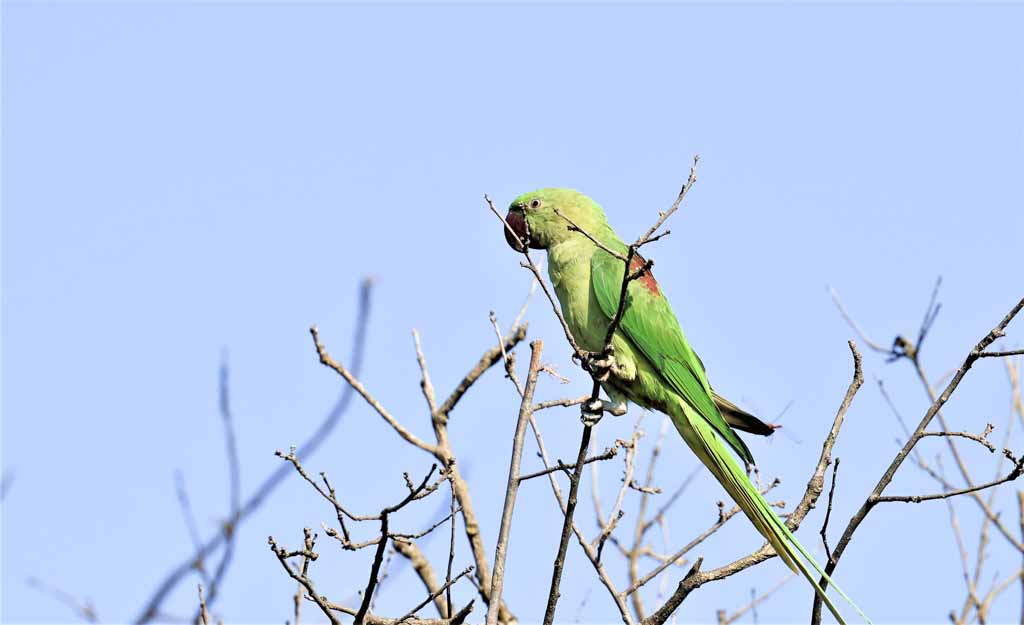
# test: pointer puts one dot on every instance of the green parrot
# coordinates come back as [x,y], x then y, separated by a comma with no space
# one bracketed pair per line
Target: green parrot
[651,363]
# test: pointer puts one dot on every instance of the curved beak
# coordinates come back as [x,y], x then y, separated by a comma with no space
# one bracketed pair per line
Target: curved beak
[517,221]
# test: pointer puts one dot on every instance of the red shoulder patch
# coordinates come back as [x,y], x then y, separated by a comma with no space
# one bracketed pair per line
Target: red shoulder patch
[647,279]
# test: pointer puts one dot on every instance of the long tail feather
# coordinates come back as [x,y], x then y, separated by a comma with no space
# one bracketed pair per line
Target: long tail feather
[701,438]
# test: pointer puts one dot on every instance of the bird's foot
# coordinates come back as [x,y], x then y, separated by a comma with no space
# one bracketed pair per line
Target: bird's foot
[593,409]
[600,364]
[591,412]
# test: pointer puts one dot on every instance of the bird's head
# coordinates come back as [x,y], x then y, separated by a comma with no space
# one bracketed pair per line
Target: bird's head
[542,218]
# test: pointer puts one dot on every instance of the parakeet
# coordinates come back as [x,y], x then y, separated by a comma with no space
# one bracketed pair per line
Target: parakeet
[652,364]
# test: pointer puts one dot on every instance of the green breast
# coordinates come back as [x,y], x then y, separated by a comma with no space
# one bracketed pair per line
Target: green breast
[569,270]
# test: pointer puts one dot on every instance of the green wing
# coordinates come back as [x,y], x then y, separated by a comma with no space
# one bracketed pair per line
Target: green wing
[650,324]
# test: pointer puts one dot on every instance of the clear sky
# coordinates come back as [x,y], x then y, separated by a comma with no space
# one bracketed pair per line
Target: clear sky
[183,179]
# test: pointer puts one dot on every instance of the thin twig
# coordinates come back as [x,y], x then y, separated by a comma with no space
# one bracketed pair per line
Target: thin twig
[425,384]
[723,619]
[573,226]
[373,619]
[869,503]
[321,601]
[378,556]
[512,490]
[84,610]
[1012,352]
[309,542]
[490,357]
[607,527]
[185,505]
[607,454]
[326,360]
[1009,477]
[682,591]
[565,402]
[448,605]
[662,217]
[640,528]
[259,496]
[556,576]
[723,518]
[972,592]
[432,596]
[696,578]
[828,510]
[981,440]
[673,498]
[234,488]
[420,564]
[853,324]
[204,615]
[588,549]
[460,489]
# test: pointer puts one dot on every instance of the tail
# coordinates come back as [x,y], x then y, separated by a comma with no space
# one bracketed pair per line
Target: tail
[701,438]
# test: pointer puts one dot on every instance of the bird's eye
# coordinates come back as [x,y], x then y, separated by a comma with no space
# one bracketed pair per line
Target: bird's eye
[535,203]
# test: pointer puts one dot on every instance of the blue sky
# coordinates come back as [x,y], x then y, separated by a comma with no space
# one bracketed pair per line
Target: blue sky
[183,179]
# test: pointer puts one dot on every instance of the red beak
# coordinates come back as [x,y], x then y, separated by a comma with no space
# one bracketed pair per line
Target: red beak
[517,221]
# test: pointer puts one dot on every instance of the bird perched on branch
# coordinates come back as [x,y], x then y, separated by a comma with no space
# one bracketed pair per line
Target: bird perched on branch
[647,360]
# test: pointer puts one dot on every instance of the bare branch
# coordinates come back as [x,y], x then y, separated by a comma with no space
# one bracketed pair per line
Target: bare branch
[663,217]
[723,518]
[930,314]
[84,610]
[185,505]
[972,591]
[556,576]
[682,591]
[981,440]
[282,557]
[512,490]
[425,384]
[204,616]
[724,619]
[627,481]
[574,227]
[566,402]
[490,357]
[447,612]
[853,324]
[234,489]
[373,619]
[526,303]
[1012,475]
[696,578]
[259,496]
[828,511]
[588,549]
[421,566]
[890,472]
[607,454]
[1012,352]
[329,362]
[434,596]
[460,489]
[673,498]
[309,541]
[371,583]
